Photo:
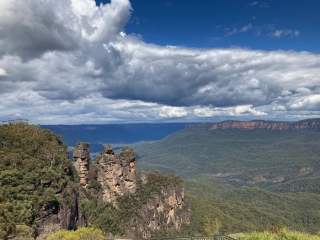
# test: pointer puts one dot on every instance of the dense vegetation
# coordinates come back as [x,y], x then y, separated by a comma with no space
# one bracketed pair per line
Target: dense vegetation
[247,209]
[34,167]
[252,179]
[276,233]
[284,161]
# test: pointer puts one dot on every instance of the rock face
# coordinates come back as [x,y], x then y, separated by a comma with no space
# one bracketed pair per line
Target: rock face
[165,210]
[82,162]
[65,212]
[260,124]
[62,214]
[116,173]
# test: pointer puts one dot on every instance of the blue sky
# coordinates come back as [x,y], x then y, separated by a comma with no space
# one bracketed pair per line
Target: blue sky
[230,23]
[121,61]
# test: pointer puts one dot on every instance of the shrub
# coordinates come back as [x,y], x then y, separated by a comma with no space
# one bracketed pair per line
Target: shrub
[79,234]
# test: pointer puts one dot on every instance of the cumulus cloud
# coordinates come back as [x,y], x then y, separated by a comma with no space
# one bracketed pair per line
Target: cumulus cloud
[172,112]
[306,103]
[244,110]
[71,61]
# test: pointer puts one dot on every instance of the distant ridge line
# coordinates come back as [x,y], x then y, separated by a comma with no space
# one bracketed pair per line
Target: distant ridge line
[258,124]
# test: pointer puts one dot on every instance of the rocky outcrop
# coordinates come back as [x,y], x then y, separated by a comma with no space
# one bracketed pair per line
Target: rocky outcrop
[63,213]
[116,173]
[82,162]
[166,210]
[259,124]
[160,204]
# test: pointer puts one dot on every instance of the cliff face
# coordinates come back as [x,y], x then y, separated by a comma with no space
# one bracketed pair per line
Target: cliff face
[64,213]
[116,174]
[260,124]
[163,209]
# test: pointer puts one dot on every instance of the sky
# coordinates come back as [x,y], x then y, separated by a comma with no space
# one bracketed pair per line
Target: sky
[121,61]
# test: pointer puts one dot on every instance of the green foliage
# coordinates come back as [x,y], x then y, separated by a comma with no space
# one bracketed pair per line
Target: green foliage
[251,209]
[104,216]
[79,234]
[276,228]
[212,227]
[127,152]
[284,234]
[246,179]
[7,226]
[34,167]
[24,232]
[94,183]
[284,161]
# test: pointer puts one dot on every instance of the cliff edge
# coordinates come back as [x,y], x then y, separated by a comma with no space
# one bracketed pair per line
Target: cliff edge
[259,124]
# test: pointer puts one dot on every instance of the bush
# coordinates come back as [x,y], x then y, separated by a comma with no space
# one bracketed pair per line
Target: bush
[79,234]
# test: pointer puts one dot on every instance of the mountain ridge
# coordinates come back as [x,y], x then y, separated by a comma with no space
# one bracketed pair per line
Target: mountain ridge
[313,123]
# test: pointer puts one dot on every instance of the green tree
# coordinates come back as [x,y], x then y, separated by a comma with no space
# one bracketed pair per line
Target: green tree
[79,234]
[7,226]
[212,227]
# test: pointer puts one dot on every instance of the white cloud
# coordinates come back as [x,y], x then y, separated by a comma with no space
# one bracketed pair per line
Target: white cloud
[259,4]
[285,32]
[238,111]
[172,112]
[246,28]
[306,103]
[234,31]
[70,61]
[254,3]
[3,72]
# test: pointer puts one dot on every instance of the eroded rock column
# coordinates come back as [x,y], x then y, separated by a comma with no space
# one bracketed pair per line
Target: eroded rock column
[116,173]
[82,162]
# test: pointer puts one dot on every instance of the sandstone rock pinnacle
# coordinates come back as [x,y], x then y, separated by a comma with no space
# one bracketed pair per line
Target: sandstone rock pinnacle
[116,173]
[82,161]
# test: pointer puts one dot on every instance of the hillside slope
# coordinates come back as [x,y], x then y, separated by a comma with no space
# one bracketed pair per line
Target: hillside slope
[279,160]
[269,173]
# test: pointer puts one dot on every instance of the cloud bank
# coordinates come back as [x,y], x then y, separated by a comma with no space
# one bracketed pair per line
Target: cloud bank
[69,61]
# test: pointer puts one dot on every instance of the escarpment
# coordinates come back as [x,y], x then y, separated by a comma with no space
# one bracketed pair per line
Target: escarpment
[260,124]
[157,200]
